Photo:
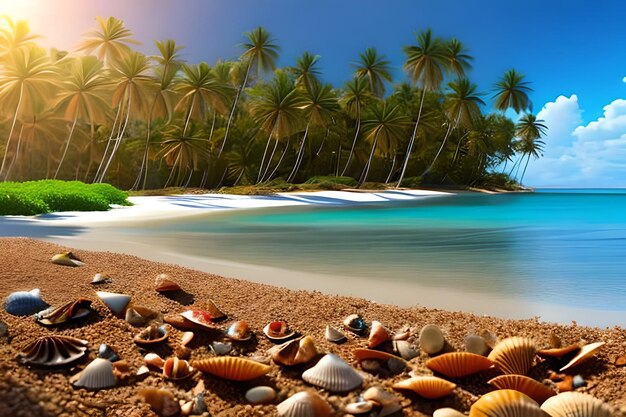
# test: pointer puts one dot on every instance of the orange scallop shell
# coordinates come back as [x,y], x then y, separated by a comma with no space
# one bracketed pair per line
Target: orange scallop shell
[430,387]
[558,352]
[459,364]
[232,368]
[514,355]
[506,403]
[534,389]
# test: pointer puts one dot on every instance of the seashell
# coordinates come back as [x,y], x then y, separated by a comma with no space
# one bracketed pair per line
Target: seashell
[430,387]
[152,359]
[448,412]
[333,374]
[260,395]
[405,349]
[177,321]
[389,402]
[161,401]
[151,335]
[54,351]
[232,368]
[143,371]
[514,355]
[585,353]
[431,339]
[239,331]
[360,407]
[186,338]
[566,384]
[214,311]
[177,369]
[505,403]
[558,352]
[163,283]
[534,389]
[334,335]
[200,318]
[106,352]
[220,348]
[97,375]
[67,259]
[196,406]
[140,316]
[391,362]
[100,279]
[117,303]
[71,310]
[304,404]
[475,344]
[378,335]
[294,352]
[278,331]
[24,303]
[355,323]
[459,364]
[403,334]
[576,404]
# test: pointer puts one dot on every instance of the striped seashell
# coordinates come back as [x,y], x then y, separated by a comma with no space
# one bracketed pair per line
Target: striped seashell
[278,331]
[534,389]
[294,352]
[514,355]
[576,404]
[161,401]
[54,351]
[334,335]
[304,404]
[333,374]
[97,375]
[558,352]
[68,311]
[231,368]
[378,335]
[430,387]
[239,331]
[67,259]
[585,353]
[447,412]
[151,335]
[117,303]
[140,316]
[177,369]
[505,403]
[163,283]
[431,339]
[459,364]
[25,303]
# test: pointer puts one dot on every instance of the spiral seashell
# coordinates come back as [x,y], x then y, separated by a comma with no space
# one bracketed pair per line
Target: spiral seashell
[459,364]
[534,389]
[140,316]
[177,369]
[430,387]
[278,331]
[505,403]
[304,404]
[69,311]
[151,335]
[97,375]
[431,339]
[294,352]
[161,401]
[163,283]
[355,323]
[201,318]
[117,303]
[334,335]
[514,355]
[333,374]
[558,352]
[67,259]
[54,351]
[576,404]
[231,368]
[239,331]
[585,353]
[25,303]
[448,412]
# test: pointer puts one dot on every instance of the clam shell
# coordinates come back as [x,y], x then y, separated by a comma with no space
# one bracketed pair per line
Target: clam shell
[68,311]
[558,352]
[278,331]
[54,351]
[24,303]
[333,374]
[117,303]
[534,389]
[430,387]
[67,259]
[459,364]
[378,335]
[334,335]
[359,407]
[200,318]
[505,403]
[576,404]
[97,375]
[239,331]
[475,344]
[355,323]
[151,335]
[405,349]
[161,401]
[140,316]
[260,395]
[177,369]
[448,412]
[431,339]
[294,352]
[514,355]
[389,402]
[585,353]
[304,404]
[231,368]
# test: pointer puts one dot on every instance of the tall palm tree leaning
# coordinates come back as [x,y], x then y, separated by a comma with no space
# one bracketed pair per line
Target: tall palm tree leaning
[375,68]
[425,64]
[530,130]
[260,52]
[357,95]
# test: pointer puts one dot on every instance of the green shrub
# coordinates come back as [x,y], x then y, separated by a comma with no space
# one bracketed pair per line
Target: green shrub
[499,180]
[14,203]
[347,181]
[412,182]
[111,194]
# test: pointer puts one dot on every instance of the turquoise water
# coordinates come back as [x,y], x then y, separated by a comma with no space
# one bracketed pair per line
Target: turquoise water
[559,246]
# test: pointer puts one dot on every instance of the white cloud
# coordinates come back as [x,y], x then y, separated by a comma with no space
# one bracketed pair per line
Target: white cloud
[624,80]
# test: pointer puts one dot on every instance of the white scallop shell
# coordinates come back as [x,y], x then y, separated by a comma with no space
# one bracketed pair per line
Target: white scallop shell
[97,375]
[431,339]
[334,374]
[576,404]
[304,404]
[115,302]
[260,395]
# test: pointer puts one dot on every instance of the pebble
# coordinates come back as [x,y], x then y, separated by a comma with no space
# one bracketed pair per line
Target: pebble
[578,381]
[260,395]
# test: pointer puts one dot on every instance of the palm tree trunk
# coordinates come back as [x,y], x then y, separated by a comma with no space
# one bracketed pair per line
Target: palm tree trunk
[524,172]
[443,143]
[271,158]
[173,169]
[67,145]
[296,166]
[514,165]
[17,152]
[393,165]
[282,155]
[106,149]
[366,170]
[144,161]
[412,140]
[17,109]
[117,141]
[232,110]
[356,135]
[269,139]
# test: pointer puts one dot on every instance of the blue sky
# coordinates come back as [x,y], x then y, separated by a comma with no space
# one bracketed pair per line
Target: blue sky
[572,52]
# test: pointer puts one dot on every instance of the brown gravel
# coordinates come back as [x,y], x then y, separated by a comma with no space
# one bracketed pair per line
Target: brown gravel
[28,391]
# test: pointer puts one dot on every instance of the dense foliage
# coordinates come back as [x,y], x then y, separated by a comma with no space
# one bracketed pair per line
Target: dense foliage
[106,112]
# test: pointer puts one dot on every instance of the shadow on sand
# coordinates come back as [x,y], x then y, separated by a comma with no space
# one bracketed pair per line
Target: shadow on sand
[14,226]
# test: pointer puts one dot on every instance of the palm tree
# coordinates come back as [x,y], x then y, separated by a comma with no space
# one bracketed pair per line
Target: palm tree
[183,151]
[357,95]
[512,92]
[459,61]
[15,35]
[530,130]
[110,41]
[375,68]
[425,64]
[305,70]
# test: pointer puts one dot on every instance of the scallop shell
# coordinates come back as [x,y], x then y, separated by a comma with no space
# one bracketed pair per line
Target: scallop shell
[448,412]
[261,395]
[459,364]
[475,344]
[140,316]
[514,355]
[334,335]
[430,387]
[505,403]
[333,374]
[389,402]
[177,369]
[161,401]
[24,303]
[585,353]
[239,331]
[231,368]
[67,259]
[558,352]
[355,323]
[117,303]
[97,375]
[278,331]
[294,352]
[576,404]
[304,404]
[68,311]
[163,283]
[151,335]
[378,335]
[54,351]
[431,339]
[199,317]
[534,389]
